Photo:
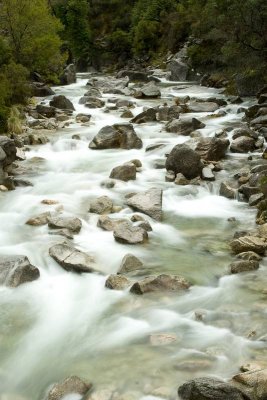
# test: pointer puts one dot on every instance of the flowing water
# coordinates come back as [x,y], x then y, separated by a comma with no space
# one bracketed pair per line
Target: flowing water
[65,324]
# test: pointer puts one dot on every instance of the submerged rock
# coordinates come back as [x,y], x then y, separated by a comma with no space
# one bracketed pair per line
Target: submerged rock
[16,270]
[149,202]
[116,136]
[71,259]
[71,385]
[160,283]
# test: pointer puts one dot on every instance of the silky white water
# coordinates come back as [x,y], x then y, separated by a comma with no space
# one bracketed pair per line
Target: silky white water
[66,324]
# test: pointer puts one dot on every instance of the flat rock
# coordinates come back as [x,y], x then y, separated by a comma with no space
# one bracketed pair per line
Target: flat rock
[71,259]
[117,282]
[126,233]
[73,224]
[16,270]
[248,243]
[121,136]
[160,283]
[149,202]
[205,106]
[71,385]
[130,263]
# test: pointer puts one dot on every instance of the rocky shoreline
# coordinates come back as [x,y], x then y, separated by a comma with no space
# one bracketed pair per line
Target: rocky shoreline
[200,161]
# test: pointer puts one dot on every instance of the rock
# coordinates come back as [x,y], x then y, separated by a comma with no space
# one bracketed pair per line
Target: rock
[212,149]
[127,114]
[148,202]
[149,115]
[249,256]
[117,282]
[83,118]
[125,172]
[207,174]
[179,70]
[146,226]
[71,259]
[155,146]
[117,136]
[69,75]
[102,205]
[248,243]
[46,111]
[249,191]
[130,263]
[108,224]
[243,266]
[134,76]
[41,219]
[160,283]
[227,191]
[71,223]
[253,384]
[181,180]
[255,199]
[150,91]
[71,385]
[244,132]
[62,103]
[16,270]
[41,90]
[242,144]
[184,126]
[205,106]
[165,113]
[182,159]
[162,339]
[209,389]
[170,176]
[94,102]
[93,92]
[126,233]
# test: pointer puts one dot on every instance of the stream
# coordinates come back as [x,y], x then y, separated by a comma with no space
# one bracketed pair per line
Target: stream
[68,324]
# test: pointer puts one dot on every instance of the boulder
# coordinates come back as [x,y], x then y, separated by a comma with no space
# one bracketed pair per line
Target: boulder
[125,172]
[71,259]
[62,103]
[46,111]
[116,136]
[184,126]
[205,106]
[248,243]
[243,266]
[182,159]
[165,113]
[73,224]
[209,389]
[41,219]
[207,174]
[8,151]
[93,102]
[227,191]
[178,69]
[253,383]
[108,224]
[101,205]
[130,263]
[212,149]
[71,385]
[149,91]
[148,202]
[160,283]
[41,90]
[134,76]
[126,233]
[69,75]
[242,144]
[16,270]
[249,256]
[145,116]
[117,282]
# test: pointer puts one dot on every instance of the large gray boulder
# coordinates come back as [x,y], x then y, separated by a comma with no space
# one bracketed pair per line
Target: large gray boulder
[252,383]
[126,233]
[209,389]
[212,149]
[204,106]
[149,115]
[69,75]
[62,103]
[71,385]
[160,283]
[149,91]
[182,159]
[148,202]
[184,126]
[71,259]
[16,270]
[121,136]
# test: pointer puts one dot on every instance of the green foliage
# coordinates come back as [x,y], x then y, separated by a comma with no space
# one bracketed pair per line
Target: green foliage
[14,121]
[120,43]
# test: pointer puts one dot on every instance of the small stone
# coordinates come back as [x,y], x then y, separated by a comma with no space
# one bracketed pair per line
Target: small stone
[117,282]
[243,266]
[130,263]
[162,339]
[39,220]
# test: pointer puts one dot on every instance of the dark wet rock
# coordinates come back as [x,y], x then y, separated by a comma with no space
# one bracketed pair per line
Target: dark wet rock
[117,282]
[71,259]
[101,205]
[261,120]
[46,111]
[71,385]
[108,224]
[242,144]
[178,68]
[207,174]
[155,146]
[94,102]
[8,153]
[69,75]
[130,263]
[148,202]
[249,256]
[243,266]
[209,389]
[226,190]
[133,75]
[146,116]
[125,172]
[148,91]
[83,118]
[182,159]
[255,199]
[181,180]
[41,219]
[62,103]
[249,191]
[127,114]
[160,283]
[184,126]
[41,90]
[236,133]
[16,270]
[126,233]
[253,383]
[73,224]
[212,149]
[166,113]
[117,136]
[196,106]
[248,243]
